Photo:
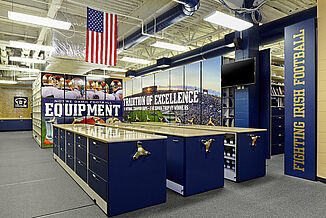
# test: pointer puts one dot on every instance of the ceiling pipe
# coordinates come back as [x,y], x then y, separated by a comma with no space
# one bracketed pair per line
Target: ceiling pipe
[174,15]
[269,33]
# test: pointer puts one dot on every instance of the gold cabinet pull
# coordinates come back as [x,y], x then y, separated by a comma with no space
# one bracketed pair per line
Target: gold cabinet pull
[161,119]
[207,144]
[140,151]
[136,119]
[254,140]
[210,122]
[191,121]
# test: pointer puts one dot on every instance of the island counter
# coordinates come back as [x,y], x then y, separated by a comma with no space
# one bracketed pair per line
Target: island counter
[194,157]
[120,170]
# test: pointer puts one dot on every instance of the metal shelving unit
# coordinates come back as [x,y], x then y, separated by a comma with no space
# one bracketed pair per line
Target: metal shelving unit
[37,121]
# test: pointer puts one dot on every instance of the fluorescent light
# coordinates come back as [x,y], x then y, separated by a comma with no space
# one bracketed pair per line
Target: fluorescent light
[114,69]
[25,69]
[98,75]
[27,60]
[170,46]
[135,60]
[27,78]
[41,21]
[30,46]
[8,82]
[228,21]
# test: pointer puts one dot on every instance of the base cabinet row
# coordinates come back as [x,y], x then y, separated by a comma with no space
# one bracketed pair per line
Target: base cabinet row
[109,174]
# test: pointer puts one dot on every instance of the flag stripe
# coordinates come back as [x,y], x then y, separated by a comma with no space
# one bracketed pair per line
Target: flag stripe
[87,45]
[101,48]
[110,58]
[106,37]
[115,39]
[92,46]
[96,53]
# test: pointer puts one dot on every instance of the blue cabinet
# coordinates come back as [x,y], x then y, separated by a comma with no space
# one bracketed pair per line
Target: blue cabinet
[125,183]
[251,159]
[15,124]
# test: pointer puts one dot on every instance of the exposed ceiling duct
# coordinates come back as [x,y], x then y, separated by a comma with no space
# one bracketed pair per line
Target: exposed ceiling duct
[174,15]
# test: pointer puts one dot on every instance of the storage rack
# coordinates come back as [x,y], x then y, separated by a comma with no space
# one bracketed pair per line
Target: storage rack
[228,107]
[37,121]
[277,106]
[230,156]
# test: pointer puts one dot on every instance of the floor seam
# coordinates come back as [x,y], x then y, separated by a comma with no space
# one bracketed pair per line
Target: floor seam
[26,182]
[63,211]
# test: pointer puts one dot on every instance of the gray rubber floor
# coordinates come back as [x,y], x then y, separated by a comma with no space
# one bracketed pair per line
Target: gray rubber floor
[32,184]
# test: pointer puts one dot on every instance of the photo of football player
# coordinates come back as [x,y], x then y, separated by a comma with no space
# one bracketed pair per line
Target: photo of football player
[116,88]
[74,88]
[109,96]
[100,90]
[52,86]
[90,89]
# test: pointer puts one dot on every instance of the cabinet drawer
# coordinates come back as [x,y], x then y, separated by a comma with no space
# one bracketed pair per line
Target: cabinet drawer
[81,152]
[81,169]
[278,140]
[278,120]
[276,134]
[70,160]
[98,166]
[277,126]
[70,140]
[62,153]
[277,111]
[55,148]
[82,140]
[99,149]
[70,136]
[55,133]
[97,184]
[70,150]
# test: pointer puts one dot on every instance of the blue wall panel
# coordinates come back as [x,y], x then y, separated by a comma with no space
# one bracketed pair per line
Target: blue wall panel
[300,100]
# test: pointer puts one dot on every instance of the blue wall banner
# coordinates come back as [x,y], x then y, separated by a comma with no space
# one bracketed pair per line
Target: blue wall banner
[300,100]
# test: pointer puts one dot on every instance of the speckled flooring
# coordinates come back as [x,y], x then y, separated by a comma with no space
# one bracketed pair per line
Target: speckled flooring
[32,184]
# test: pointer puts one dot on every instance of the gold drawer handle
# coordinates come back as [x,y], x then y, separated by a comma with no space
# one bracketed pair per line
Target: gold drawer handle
[210,122]
[207,144]
[254,140]
[140,151]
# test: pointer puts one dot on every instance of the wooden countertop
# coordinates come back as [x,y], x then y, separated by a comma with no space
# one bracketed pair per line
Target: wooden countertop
[205,127]
[164,130]
[15,118]
[107,134]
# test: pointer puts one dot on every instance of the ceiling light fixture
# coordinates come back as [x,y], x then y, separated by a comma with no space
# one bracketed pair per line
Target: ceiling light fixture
[8,82]
[114,69]
[27,78]
[228,21]
[41,21]
[98,75]
[25,69]
[27,60]
[135,60]
[30,46]
[169,46]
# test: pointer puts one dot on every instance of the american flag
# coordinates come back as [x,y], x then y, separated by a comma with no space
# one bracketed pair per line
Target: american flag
[101,37]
